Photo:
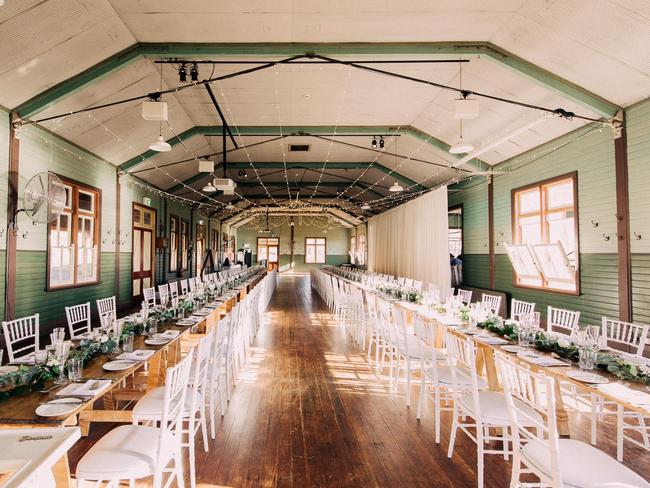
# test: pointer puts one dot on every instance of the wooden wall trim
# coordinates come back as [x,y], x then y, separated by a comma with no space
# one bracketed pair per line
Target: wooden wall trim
[12,208]
[491,232]
[623,226]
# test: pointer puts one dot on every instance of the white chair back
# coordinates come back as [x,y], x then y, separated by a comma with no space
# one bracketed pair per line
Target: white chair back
[78,317]
[173,290]
[163,294]
[192,284]
[149,296]
[184,286]
[530,398]
[633,336]
[565,319]
[21,336]
[493,301]
[106,310]
[465,296]
[519,308]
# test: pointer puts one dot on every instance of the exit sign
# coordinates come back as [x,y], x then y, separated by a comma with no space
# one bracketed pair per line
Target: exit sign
[146,201]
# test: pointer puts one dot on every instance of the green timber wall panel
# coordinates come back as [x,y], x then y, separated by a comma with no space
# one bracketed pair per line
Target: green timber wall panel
[641,287]
[638,144]
[30,287]
[591,154]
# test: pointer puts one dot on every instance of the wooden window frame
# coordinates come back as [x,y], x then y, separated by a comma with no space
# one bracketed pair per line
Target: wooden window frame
[516,238]
[315,253]
[74,226]
[174,241]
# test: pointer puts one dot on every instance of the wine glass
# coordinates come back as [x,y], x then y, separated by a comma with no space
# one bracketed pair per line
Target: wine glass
[62,350]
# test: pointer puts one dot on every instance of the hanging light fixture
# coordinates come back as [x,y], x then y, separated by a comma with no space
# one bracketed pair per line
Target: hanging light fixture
[209,188]
[461,146]
[160,145]
[194,73]
[396,188]
[182,73]
[365,206]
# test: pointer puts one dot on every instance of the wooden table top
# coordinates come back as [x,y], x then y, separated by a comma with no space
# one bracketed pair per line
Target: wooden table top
[21,409]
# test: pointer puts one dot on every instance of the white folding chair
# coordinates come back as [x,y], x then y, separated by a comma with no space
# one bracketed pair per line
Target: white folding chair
[21,336]
[149,408]
[106,310]
[131,452]
[184,287]
[562,318]
[519,308]
[149,296]
[79,323]
[493,301]
[465,296]
[163,294]
[537,448]
[173,291]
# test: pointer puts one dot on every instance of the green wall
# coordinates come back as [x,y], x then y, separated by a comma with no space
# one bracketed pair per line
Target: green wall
[40,151]
[589,152]
[337,243]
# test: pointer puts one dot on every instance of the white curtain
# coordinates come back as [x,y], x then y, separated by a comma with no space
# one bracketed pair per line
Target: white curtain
[412,240]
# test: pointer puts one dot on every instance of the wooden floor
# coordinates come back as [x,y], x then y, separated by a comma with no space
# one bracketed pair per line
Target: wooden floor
[309,411]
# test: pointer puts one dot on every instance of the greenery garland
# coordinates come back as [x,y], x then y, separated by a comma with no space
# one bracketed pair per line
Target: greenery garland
[611,363]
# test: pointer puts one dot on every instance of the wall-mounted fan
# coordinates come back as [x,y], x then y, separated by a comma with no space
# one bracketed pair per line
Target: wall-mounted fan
[44,198]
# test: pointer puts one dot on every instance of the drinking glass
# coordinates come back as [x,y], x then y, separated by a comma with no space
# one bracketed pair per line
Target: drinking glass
[127,342]
[62,350]
[75,369]
[587,357]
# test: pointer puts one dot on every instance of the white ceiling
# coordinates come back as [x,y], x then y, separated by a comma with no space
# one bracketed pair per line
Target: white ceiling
[599,45]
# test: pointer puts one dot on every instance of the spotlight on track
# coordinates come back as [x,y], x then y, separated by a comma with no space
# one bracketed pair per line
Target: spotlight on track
[182,73]
[373,144]
[194,73]
[381,142]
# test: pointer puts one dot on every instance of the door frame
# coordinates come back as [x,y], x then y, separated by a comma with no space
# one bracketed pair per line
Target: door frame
[268,262]
[153,243]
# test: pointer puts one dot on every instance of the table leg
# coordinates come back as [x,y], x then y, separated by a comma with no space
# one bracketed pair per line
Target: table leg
[561,414]
[486,355]
[61,473]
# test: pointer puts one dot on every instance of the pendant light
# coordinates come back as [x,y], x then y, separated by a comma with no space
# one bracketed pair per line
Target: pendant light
[209,188]
[396,188]
[365,206]
[461,146]
[160,145]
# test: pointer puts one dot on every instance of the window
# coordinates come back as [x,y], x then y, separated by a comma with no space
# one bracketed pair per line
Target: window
[73,239]
[353,248]
[185,242]
[545,253]
[315,250]
[268,248]
[214,242]
[173,243]
[361,249]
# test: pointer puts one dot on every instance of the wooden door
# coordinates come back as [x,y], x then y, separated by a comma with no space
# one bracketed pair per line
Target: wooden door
[143,254]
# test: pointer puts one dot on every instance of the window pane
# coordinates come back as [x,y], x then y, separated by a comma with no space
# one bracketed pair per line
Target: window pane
[147,218]
[531,230]
[310,254]
[86,201]
[529,201]
[561,228]
[320,254]
[136,216]
[273,254]
[560,194]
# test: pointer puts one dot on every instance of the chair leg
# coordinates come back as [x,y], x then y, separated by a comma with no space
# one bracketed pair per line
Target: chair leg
[408,382]
[619,433]
[204,428]
[516,468]
[178,468]
[436,404]
[454,427]
[594,417]
[421,396]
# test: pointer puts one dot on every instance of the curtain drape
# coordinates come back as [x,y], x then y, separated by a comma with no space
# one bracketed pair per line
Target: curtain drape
[412,240]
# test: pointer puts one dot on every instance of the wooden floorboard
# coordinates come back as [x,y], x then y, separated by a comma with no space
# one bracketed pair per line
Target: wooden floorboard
[309,411]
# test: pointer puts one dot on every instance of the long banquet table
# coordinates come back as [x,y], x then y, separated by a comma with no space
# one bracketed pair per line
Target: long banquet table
[620,392]
[20,411]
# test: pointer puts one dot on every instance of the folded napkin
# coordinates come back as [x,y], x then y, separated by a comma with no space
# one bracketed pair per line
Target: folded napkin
[626,394]
[168,334]
[88,388]
[137,355]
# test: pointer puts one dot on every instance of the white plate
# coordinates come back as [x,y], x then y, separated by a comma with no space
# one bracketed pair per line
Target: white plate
[512,348]
[8,369]
[118,365]
[470,331]
[587,377]
[58,407]
[186,322]
[156,342]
